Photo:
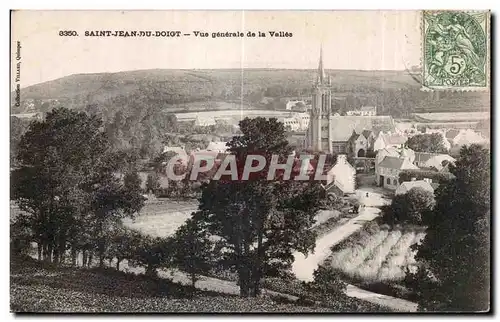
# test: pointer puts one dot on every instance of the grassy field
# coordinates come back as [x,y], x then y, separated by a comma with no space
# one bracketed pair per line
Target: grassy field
[39,287]
[162,217]
[377,253]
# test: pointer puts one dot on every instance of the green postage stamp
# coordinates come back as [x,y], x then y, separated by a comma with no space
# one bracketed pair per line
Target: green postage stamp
[456,50]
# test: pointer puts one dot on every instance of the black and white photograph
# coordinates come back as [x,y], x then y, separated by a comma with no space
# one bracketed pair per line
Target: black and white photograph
[240,161]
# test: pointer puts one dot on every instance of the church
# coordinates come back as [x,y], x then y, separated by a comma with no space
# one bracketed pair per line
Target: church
[330,133]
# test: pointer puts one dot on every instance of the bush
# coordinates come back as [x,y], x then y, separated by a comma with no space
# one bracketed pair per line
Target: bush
[409,208]
[438,177]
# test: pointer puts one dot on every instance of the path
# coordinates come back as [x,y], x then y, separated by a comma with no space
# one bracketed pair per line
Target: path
[304,266]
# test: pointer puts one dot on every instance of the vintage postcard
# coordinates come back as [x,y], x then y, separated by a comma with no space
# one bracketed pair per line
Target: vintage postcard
[250,161]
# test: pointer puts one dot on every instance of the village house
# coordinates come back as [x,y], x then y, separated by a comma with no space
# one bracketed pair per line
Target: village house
[290,123]
[341,178]
[219,147]
[467,137]
[292,103]
[388,170]
[385,140]
[432,160]
[425,184]
[363,111]
[204,121]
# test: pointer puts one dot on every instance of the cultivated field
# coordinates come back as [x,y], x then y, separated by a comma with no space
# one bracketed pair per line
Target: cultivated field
[162,217]
[377,253]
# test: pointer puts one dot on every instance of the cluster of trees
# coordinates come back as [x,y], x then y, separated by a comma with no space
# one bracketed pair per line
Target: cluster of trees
[73,202]
[67,188]
[409,208]
[432,143]
[454,258]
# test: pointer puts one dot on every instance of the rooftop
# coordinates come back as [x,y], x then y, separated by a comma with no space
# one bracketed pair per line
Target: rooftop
[407,185]
[342,126]
[396,163]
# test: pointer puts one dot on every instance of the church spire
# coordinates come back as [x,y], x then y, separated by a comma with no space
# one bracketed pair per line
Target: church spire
[321,71]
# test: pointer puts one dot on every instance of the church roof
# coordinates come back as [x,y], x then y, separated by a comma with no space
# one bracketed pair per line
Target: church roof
[342,126]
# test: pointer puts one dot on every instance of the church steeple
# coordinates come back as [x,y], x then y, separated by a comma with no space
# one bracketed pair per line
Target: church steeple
[321,71]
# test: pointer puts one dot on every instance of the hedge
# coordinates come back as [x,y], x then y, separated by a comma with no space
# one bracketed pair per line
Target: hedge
[437,177]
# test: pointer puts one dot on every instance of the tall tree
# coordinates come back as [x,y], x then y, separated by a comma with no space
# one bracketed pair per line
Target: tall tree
[456,249]
[260,222]
[193,249]
[432,143]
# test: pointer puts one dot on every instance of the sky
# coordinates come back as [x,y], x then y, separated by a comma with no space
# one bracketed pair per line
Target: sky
[362,40]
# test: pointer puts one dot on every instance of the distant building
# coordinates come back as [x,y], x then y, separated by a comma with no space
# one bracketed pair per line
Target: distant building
[435,160]
[293,103]
[296,121]
[386,140]
[467,137]
[341,177]
[30,116]
[388,170]
[406,186]
[204,121]
[360,144]
[363,111]
[219,147]
[290,123]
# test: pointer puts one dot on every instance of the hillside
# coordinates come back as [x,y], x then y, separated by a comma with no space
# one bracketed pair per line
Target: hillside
[42,287]
[170,89]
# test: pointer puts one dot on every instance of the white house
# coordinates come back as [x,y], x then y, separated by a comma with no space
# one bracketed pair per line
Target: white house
[468,136]
[428,160]
[394,152]
[219,147]
[342,175]
[363,111]
[303,120]
[204,120]
[407,185]
[290,104]
[385,140]
[388,170]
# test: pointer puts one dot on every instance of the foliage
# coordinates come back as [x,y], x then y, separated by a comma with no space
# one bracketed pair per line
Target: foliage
[327,284]
[152,253]
[260,222]
[432,143]
[409,207]
[192,250]
[456,249]
[66,187]
[438,177]
[152,183]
